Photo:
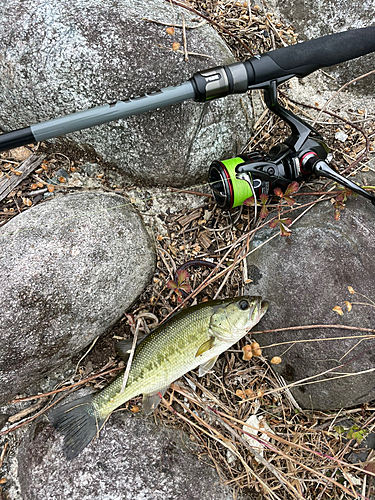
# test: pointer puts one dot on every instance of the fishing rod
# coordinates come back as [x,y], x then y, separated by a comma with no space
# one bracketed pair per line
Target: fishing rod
[302,155]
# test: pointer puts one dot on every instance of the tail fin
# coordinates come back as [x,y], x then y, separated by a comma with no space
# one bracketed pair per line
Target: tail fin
[79,422]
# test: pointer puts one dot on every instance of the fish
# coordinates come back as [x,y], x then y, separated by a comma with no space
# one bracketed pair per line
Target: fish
[192,338]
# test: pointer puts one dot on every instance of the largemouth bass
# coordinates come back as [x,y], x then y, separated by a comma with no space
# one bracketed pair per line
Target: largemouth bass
[194,337]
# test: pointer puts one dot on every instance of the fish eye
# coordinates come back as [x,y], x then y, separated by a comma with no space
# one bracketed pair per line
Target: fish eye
[244,305]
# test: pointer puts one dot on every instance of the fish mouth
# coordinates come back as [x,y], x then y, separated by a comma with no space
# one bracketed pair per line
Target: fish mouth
[259,310]
[263,308]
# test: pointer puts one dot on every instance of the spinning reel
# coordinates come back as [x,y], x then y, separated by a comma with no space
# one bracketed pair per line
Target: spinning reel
[303,155]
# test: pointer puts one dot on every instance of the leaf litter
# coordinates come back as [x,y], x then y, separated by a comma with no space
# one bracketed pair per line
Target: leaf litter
[240,415]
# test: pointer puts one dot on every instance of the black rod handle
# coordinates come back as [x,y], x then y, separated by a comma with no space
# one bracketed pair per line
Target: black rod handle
[304,58]
[281,64]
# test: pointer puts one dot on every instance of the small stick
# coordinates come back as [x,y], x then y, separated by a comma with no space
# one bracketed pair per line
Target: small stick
[129,363]
[214,23]
[184,37]
[23,413]
[3,454]
[340,89]
[197,193]
[313,327]
[175,25]
[9,183]
[62,389]
[181,51]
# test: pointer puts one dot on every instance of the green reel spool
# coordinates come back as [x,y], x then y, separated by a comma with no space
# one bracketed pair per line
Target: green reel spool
[228,190]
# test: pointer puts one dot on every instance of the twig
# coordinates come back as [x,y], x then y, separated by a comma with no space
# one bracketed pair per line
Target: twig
[86,353]
[11,429]
[216,438]
[129,363]
[196,193]
[284,483]
[3,454]
[182,52]
[9,183]
[276,437]
[326,104]
[191,9]
[62,389]
[288,457]
[184,37]
[30,409]
[176,25]
[314,327]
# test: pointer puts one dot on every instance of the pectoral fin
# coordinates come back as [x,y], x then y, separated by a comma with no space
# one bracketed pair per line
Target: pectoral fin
[205,367]
[206,346]
[123,348]
[151,401]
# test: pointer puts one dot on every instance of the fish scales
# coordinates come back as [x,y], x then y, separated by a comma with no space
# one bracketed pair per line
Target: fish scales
[163,356]
[194,337]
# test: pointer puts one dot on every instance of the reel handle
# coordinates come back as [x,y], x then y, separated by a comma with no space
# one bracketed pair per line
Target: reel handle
[320,168]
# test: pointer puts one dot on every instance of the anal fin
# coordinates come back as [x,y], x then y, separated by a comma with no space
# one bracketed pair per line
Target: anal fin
[205,367]
[151,401]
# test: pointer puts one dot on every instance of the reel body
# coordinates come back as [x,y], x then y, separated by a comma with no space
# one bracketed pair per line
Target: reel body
[301,156]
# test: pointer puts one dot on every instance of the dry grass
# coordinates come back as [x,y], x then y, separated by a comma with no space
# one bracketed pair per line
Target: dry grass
[305,456]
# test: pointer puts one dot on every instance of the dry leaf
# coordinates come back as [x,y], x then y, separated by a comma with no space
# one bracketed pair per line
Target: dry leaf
[338,310]
[175,46]
[348,305]
[27,202]
[244,394]
[20,154]
[134,409]
[257,351]
[170,30]
[351,289]
[253,427]
[276,360]
[50,188]
[247,352]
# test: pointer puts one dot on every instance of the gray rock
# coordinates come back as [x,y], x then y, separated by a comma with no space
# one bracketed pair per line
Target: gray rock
[315,18]
[304,278]
[70,268]
[133,459]
[58,57]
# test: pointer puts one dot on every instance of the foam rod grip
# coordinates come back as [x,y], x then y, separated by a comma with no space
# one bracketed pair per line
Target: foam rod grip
[303,58]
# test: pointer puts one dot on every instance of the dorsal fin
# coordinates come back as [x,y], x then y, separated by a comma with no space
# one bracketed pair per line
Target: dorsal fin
[123,347]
